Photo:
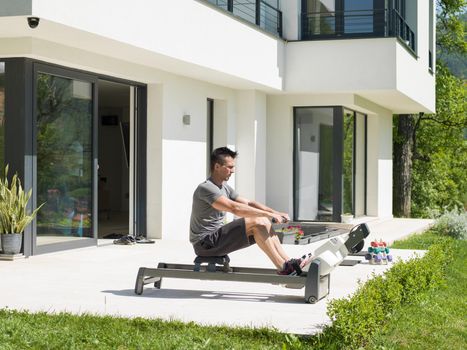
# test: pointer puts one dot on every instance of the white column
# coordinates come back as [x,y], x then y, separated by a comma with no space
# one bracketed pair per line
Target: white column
[251,145]
[291,19]
[379,166]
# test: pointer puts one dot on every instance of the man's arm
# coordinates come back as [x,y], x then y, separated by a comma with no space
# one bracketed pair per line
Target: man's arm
[261,206]
[243,209]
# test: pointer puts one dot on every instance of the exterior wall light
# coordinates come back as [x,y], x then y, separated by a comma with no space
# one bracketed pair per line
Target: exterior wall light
[186,119]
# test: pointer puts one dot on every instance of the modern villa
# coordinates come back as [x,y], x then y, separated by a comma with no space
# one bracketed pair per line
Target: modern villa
[109,109]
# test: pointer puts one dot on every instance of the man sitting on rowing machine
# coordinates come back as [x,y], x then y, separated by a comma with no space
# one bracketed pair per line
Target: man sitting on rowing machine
[210,235]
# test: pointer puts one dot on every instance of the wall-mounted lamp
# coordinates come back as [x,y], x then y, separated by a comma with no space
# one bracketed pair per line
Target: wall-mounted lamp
[186,119]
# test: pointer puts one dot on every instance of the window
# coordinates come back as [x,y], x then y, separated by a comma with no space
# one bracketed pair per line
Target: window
[209,133]
[399,6]
[329,163]
[321,16]
[314,165]
[358,16]
[64,158]
[345,19]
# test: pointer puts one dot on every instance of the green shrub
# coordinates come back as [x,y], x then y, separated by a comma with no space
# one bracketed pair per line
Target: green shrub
[453,224]
[356,318]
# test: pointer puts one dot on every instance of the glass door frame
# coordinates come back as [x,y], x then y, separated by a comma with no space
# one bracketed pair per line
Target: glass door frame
[43,68]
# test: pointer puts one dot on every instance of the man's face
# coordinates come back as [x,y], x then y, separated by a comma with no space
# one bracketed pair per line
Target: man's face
[228,168]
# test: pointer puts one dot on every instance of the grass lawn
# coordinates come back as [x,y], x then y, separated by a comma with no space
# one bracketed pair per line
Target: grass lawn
[19,330]
[438,321]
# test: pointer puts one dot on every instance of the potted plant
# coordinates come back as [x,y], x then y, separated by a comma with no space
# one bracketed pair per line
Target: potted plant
[346,218]
[292,232]
[13,216]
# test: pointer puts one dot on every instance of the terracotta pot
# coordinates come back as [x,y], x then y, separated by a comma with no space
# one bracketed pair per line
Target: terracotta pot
[11,243]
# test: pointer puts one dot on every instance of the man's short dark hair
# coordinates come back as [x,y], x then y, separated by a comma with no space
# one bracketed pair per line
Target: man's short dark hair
[219,154]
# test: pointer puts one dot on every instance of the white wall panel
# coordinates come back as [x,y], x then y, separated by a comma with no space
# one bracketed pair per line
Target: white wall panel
[184,30]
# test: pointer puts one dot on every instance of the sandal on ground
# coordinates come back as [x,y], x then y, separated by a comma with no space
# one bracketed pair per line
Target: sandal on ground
[125,240]
[143,240]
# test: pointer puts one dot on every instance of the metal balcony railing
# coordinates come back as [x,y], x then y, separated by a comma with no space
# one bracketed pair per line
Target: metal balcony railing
[258,12]
[358,23]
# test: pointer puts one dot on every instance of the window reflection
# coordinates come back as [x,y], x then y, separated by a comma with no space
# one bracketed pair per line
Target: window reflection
[348,159]
[64,158]
[313,164]
[314,157]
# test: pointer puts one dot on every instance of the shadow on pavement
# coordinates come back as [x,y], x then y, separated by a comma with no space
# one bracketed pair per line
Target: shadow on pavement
[204,294]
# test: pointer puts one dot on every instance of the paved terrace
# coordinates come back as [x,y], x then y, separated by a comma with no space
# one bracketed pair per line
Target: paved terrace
[100,280]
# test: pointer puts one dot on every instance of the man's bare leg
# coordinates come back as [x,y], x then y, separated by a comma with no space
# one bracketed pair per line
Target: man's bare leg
[278,245]
[259,228]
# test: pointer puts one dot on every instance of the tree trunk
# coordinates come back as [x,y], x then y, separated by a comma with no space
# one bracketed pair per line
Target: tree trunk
[402,165]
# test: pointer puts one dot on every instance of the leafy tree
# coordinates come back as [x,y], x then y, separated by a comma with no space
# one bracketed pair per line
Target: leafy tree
[439,169]
[430,150]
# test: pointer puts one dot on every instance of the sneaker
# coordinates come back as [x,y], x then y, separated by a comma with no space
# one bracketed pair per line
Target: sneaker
[305,260]
[291,267]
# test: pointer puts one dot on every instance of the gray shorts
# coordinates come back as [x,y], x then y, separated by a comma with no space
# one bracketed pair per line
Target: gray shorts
[227,239]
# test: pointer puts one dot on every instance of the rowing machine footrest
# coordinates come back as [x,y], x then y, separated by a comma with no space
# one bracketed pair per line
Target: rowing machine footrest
[212,261]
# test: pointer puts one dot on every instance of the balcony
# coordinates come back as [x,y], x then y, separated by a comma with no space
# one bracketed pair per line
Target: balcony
[357,24]
[258,12]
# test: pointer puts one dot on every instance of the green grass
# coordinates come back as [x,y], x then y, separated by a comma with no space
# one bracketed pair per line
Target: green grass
[439,320]
[21,330]
[419,241]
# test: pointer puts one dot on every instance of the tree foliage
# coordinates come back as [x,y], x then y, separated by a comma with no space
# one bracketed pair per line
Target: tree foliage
[440,149]
[439,172]
[450,26]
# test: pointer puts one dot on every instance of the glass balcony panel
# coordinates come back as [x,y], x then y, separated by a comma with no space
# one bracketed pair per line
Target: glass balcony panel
[221,3]
[354,18]
[268,17]
[245,9]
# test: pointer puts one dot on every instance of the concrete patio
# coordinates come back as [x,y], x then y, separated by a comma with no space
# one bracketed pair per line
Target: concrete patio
[100,280]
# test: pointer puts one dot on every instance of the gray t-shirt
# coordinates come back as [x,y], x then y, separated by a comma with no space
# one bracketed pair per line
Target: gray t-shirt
[204,218]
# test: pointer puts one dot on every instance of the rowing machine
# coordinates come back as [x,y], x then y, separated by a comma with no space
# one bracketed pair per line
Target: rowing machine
[315,276]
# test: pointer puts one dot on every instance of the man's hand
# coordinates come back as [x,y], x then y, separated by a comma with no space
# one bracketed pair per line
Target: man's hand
[285,216]
[277,218]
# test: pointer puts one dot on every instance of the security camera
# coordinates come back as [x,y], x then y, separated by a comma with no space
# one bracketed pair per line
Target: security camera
[33,22]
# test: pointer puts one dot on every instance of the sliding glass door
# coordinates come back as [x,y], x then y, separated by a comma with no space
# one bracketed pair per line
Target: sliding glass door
[314,168]
[329,163]
[64,110]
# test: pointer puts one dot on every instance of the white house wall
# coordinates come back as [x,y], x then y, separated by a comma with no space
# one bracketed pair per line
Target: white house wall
[184,157]
[251,139]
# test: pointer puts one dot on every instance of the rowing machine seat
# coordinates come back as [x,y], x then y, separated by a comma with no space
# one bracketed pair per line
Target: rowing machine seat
[212,261]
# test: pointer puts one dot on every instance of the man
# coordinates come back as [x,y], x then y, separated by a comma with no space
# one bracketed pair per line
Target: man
[210,235]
